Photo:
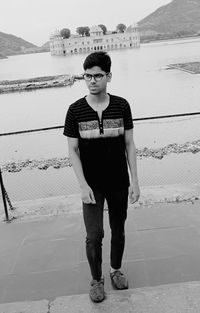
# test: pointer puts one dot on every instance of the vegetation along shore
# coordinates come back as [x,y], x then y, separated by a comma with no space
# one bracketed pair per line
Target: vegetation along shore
[37,83]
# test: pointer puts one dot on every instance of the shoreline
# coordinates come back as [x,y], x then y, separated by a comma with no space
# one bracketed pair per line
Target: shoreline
[60,162]
[44,208]
[172,40]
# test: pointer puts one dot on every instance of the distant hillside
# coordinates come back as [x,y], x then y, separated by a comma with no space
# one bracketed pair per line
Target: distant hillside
[179,18]
[45,46]
[10,44]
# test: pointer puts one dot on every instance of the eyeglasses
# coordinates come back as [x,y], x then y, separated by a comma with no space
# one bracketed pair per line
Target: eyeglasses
[97,77]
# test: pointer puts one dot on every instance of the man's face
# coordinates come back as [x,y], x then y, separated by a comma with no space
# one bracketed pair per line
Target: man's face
[96,80]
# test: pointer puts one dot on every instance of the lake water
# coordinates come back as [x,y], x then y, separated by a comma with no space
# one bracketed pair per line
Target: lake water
[139,75]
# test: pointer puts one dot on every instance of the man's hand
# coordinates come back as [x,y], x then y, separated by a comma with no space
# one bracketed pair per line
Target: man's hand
[134,192]
[87,195]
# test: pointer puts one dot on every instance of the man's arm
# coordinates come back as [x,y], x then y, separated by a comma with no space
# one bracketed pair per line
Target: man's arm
[134,190]
[87,195]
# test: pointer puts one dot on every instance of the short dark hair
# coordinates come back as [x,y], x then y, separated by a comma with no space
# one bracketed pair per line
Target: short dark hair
[100,58]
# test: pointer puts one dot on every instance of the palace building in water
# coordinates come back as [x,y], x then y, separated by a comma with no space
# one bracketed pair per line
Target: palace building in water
[95,42]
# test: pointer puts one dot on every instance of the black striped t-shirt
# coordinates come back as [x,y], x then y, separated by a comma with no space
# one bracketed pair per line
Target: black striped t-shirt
[101,143]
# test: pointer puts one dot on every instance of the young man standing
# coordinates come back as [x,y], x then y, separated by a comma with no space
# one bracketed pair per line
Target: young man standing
[99,128]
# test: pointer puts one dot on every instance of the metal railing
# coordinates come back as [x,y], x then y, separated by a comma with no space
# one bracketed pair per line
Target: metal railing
[135,119]
[5,197]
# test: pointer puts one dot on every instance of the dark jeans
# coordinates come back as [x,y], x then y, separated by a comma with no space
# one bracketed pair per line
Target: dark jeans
[93,219]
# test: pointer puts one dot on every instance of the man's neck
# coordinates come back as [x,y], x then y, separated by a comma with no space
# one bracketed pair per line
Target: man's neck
[98,99]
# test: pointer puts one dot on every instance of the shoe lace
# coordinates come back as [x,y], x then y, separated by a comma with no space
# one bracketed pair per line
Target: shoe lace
[97,283]
[117,273]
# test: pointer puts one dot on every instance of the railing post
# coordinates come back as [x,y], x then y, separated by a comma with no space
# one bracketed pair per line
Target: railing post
[4,198]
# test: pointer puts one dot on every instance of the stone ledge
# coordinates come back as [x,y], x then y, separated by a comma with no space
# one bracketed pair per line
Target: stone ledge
[172,298]
[176,298]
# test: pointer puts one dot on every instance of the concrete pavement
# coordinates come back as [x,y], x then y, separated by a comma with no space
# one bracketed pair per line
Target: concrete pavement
[45,259]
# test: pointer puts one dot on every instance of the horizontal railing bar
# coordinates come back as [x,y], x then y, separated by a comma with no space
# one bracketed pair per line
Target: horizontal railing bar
[135,119]
[31,130]
[165,116]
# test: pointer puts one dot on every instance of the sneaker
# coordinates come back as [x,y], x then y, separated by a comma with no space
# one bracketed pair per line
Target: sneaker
[119,281]
[97,293]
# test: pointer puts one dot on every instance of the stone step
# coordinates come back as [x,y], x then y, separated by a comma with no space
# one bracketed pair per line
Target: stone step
[173,298]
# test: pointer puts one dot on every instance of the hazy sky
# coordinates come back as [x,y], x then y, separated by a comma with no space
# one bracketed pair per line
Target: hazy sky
[35,20]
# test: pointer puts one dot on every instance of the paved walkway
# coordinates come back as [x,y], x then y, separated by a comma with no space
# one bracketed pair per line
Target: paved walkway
[45,259]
